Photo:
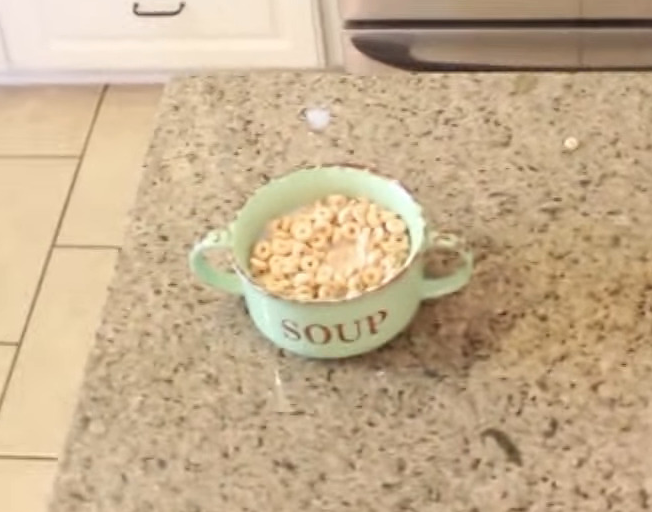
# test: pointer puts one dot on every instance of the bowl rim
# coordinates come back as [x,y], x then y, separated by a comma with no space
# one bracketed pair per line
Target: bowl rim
[244,274]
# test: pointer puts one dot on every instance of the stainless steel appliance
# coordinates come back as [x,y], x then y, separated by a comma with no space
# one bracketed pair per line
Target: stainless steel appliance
[499,35]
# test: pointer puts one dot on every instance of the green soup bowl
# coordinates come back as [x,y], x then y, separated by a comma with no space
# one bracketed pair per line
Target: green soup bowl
[333,328]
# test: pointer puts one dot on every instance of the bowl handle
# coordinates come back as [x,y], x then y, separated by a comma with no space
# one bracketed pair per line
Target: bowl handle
[439,286]
[222,279]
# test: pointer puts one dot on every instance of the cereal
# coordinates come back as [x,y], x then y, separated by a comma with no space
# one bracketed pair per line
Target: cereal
[258,266]
[285,235]
[372,219]
[289,265]
[374,256]
[359,212]
[299,249]
[387,215]
[391,247]
[336,237]
[336,201]
[393,262]
[301,230]
[324,215]
[360,201]
[262,250]
[280,228]
[395,226]
[371,276]
[339,247]
[365,236]
[281,246]
[319,241]
[324,275]
[318,254]
[326,291]
[354,283]
[345,215]
[322,227]
[304,293]
[275,265]
[377,234]
[276,285]
[339,280]
[309,263]
[275,225]
[395,243]
[302,279]
[285,223]
[350,230]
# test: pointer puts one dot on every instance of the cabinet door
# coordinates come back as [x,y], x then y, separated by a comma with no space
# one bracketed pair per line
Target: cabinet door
[4,63]
[159,34]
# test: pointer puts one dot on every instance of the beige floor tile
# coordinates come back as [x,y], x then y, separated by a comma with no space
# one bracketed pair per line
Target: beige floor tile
[111,170]
[25,485]
[32,195]
[6,356]
[46,120]
[43,389]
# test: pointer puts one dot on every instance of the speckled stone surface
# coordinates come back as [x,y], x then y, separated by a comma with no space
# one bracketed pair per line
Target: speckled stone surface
[528,391]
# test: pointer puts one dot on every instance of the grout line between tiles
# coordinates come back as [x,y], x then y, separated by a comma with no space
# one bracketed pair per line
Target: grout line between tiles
[8,343]
[89,246]
[5,385]
[46,458]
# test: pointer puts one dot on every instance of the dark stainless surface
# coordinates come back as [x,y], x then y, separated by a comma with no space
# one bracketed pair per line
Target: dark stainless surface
[481,35]
[617,47]
[439,50]
[458,9]
[424,50]
[616,8]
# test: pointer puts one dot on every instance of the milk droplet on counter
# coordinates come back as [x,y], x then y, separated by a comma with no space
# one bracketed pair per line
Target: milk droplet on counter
[318,118]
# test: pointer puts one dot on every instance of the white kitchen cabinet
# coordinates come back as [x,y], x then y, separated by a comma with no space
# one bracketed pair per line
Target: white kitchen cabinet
[331,22]
[3,57]
[159,34]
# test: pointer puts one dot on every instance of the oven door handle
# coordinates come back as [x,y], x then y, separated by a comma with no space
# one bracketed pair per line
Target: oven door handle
[396,53]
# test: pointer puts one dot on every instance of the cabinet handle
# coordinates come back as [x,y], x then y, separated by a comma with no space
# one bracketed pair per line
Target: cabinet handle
[136,10]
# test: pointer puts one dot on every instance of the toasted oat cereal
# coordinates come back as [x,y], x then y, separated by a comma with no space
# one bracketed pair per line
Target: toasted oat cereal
[301,231]
[338,247]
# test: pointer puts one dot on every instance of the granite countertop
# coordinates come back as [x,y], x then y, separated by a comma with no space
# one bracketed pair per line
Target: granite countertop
[528,391]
